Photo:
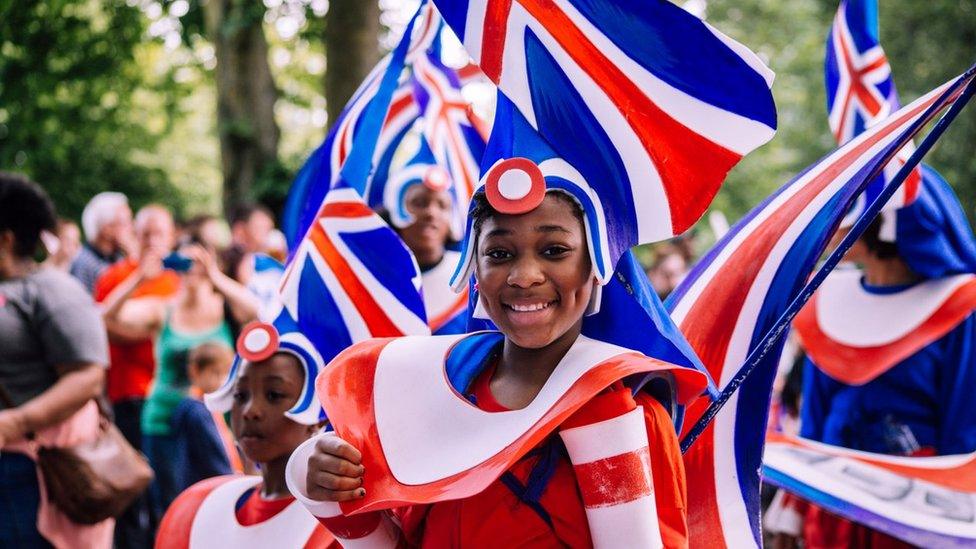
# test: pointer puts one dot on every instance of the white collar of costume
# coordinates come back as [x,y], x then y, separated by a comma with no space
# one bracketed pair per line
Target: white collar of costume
[215,522]
[428,442]
[844,325]
[440,301]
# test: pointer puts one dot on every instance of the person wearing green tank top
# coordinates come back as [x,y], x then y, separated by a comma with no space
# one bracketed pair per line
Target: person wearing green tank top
[198,314]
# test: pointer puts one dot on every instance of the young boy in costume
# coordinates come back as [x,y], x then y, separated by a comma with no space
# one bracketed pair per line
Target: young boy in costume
[270,398]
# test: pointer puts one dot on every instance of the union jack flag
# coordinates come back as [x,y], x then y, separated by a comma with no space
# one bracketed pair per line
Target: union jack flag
[736,301]
[924,501]
[861,92]
[650,105]
[455,134]
[321,171]
[352,278]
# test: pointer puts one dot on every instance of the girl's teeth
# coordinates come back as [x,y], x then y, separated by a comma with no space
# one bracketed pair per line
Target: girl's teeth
[530,308]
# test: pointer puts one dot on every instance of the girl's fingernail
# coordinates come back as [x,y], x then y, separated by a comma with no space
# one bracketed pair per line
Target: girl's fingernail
[362,492]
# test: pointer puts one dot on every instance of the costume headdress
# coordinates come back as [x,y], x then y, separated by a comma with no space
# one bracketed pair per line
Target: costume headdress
[636,110]
[422,169]
[259,341]
[932,236]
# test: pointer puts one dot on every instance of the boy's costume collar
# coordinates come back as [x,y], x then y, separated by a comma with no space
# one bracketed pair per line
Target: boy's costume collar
[855,335]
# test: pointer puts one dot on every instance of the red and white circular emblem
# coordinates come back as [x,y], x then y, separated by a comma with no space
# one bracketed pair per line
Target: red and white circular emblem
[515,186]
[437,179]
[258,341]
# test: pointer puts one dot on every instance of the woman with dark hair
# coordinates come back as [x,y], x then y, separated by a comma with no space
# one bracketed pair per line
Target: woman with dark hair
[53,354]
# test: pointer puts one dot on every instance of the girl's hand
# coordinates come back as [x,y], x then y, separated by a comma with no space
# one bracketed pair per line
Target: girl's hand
[335,472]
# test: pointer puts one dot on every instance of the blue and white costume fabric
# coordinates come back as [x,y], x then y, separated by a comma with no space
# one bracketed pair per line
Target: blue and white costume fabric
[886,365]
[447,312]
[889,368]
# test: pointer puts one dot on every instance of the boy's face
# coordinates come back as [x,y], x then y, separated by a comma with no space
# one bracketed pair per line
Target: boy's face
[265,391]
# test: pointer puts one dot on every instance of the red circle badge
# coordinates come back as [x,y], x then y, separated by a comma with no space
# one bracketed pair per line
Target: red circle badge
[258,341]
[515,186]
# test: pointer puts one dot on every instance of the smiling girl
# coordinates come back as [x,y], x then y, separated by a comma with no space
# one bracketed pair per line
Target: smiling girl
[536,282]
[558,428]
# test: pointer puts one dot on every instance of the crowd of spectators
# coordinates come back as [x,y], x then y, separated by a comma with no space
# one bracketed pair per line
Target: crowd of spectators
[136,309]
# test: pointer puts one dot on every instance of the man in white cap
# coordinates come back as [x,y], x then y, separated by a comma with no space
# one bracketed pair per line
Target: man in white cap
[107,224]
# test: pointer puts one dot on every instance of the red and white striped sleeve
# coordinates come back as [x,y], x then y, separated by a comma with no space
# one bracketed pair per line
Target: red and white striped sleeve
[608,445]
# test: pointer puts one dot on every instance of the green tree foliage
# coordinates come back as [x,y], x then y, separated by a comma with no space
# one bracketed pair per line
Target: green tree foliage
[69,83]
[926,42]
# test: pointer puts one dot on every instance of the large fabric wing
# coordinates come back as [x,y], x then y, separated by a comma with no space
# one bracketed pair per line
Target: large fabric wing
[321,171]
[451,129]
[351,277]
[861,93]
[925,501]
[736,296]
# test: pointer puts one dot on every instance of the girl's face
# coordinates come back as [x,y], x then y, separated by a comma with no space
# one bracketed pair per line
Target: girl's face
[428,233]
[534,273]
[264,392]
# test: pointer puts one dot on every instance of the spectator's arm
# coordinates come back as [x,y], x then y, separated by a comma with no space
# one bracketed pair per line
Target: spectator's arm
[72,337]
[127,321]
[77,385]
[243,304]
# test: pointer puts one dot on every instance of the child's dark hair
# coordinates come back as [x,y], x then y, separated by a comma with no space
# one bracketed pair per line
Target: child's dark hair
[26,210]
[483,210]
[872,239]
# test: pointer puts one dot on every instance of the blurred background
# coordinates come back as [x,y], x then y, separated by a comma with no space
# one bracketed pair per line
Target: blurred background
[204,104]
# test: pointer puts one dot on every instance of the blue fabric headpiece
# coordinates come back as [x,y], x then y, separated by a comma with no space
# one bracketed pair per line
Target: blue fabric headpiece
[933,235]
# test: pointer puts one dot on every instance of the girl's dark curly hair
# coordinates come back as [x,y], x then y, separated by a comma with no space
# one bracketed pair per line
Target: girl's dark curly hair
[872,239]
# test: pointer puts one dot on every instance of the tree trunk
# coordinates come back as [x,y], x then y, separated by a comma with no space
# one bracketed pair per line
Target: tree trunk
[352,30]
[246,96]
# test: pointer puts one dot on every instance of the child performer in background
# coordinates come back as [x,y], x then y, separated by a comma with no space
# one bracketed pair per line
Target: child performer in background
[273,410]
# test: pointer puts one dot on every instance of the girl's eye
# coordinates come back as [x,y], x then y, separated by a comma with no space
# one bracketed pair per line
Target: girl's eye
[273,396]
[555,251]
[497,254]
[239,396]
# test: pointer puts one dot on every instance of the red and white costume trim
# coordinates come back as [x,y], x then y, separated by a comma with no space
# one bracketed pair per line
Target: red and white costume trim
[451,449]
[854,336]
[440,302]
[204,516]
